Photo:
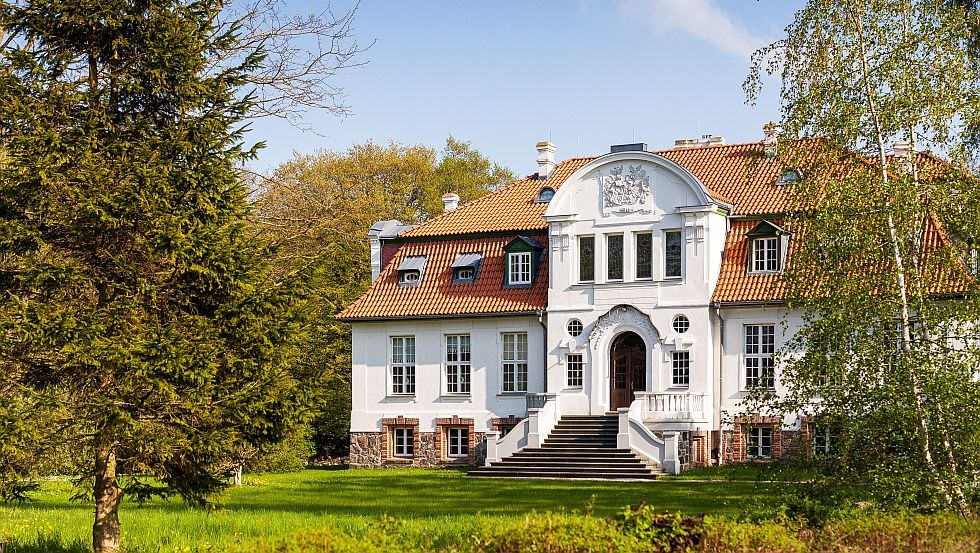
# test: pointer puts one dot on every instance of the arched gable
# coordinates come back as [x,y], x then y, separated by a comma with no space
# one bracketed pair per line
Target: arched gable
[626,183]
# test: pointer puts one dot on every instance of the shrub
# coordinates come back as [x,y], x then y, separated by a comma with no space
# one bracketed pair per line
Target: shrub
[662,532]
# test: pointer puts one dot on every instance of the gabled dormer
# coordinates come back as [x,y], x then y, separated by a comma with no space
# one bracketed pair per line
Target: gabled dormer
[411,270]
[466,267]
[522,259]
[768,243]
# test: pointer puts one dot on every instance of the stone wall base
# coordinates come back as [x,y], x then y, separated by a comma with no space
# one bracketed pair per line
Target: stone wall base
[368,449]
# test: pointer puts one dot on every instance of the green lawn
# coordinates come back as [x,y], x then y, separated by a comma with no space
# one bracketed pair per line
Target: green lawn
[438,505]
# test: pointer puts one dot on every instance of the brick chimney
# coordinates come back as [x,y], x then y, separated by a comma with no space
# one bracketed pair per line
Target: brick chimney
[546,159]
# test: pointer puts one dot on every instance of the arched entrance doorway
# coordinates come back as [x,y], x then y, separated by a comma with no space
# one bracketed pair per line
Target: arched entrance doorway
[628,369]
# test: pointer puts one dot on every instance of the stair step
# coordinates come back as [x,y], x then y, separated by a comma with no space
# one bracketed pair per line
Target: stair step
[638,475]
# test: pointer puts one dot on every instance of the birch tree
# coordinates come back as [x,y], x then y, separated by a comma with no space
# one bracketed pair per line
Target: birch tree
[891,312]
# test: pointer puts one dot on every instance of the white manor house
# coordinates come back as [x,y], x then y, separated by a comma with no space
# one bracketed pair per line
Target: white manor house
[603,317]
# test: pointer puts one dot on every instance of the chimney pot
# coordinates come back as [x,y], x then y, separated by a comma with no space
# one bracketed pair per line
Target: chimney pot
[902,148]
[770,142]
[546,159]
[449,202]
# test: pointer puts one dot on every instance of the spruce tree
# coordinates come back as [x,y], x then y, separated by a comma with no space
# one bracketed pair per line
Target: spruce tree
[143,344]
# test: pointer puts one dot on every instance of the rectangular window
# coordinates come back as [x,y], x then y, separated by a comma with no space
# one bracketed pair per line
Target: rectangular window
[519,268]
[458,440]
[614,257]
[823,440]
[404,439]
[765,255]
[458,364]
[403,365]
[760,347]
[681,368]
[644,255]
[586,258]
[574,366]
[758,443]
[515,362]
[672,254]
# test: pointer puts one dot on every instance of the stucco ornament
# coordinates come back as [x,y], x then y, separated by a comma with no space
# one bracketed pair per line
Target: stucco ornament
[619,316]
[631,189]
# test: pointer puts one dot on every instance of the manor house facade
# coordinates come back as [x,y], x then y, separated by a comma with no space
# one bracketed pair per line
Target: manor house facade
[636,293]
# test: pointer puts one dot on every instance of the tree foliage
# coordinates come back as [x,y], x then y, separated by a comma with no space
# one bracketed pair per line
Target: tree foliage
[318,208]
[145,342]
[887,354]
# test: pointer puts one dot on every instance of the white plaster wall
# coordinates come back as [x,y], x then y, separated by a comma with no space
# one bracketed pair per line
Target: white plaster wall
[733,389]
[371,355]
[677,202]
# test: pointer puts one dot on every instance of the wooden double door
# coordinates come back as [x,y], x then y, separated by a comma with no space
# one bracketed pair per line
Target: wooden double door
[628,369]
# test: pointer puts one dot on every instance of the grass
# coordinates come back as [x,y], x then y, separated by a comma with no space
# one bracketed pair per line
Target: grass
[439,506]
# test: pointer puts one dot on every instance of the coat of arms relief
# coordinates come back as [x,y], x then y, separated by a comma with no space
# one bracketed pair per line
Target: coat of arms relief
[627,192]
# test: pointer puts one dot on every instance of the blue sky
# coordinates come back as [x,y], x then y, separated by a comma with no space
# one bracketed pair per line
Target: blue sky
[506,74]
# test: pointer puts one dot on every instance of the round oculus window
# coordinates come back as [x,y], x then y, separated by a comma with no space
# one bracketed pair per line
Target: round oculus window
[575,327]
[681,324]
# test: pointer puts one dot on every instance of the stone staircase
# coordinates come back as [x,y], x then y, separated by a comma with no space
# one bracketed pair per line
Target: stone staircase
[578,447]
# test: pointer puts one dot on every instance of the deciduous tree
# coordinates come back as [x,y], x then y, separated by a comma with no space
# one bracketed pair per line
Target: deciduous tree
[318,208]
[887,351]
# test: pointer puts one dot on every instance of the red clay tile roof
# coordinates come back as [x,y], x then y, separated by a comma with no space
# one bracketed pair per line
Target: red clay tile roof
[511,208]
[737,285]
[742,174]
[437,296]
[738,174]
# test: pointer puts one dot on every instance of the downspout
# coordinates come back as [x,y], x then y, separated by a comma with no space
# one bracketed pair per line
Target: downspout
[718,381]
[544,349]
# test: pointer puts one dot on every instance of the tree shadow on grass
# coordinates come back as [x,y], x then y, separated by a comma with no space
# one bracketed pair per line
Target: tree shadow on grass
[46,544]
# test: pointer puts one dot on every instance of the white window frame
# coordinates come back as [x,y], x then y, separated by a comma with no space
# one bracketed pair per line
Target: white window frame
[465,273]
[403,445]
[755,359]
[410,277]
[512,365]
[460,442]
[663,257]
[765,255]
[457,366]
[401,367]
[675,355]
[759,446]
[574,370]
[521,261]
[826,435]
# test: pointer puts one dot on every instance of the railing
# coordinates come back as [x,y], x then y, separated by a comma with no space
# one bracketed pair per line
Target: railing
[633,434]
[672,407]
[536,401]
[530,432]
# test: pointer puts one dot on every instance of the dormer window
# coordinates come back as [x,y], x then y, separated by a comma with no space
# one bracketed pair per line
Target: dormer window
[522,256]
[465,267]
[520,267]
[765,255]
[544,195]
[767,248]
[411,270]
[789,176]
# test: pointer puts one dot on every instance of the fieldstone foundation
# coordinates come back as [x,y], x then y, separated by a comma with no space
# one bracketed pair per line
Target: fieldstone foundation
[374,449]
